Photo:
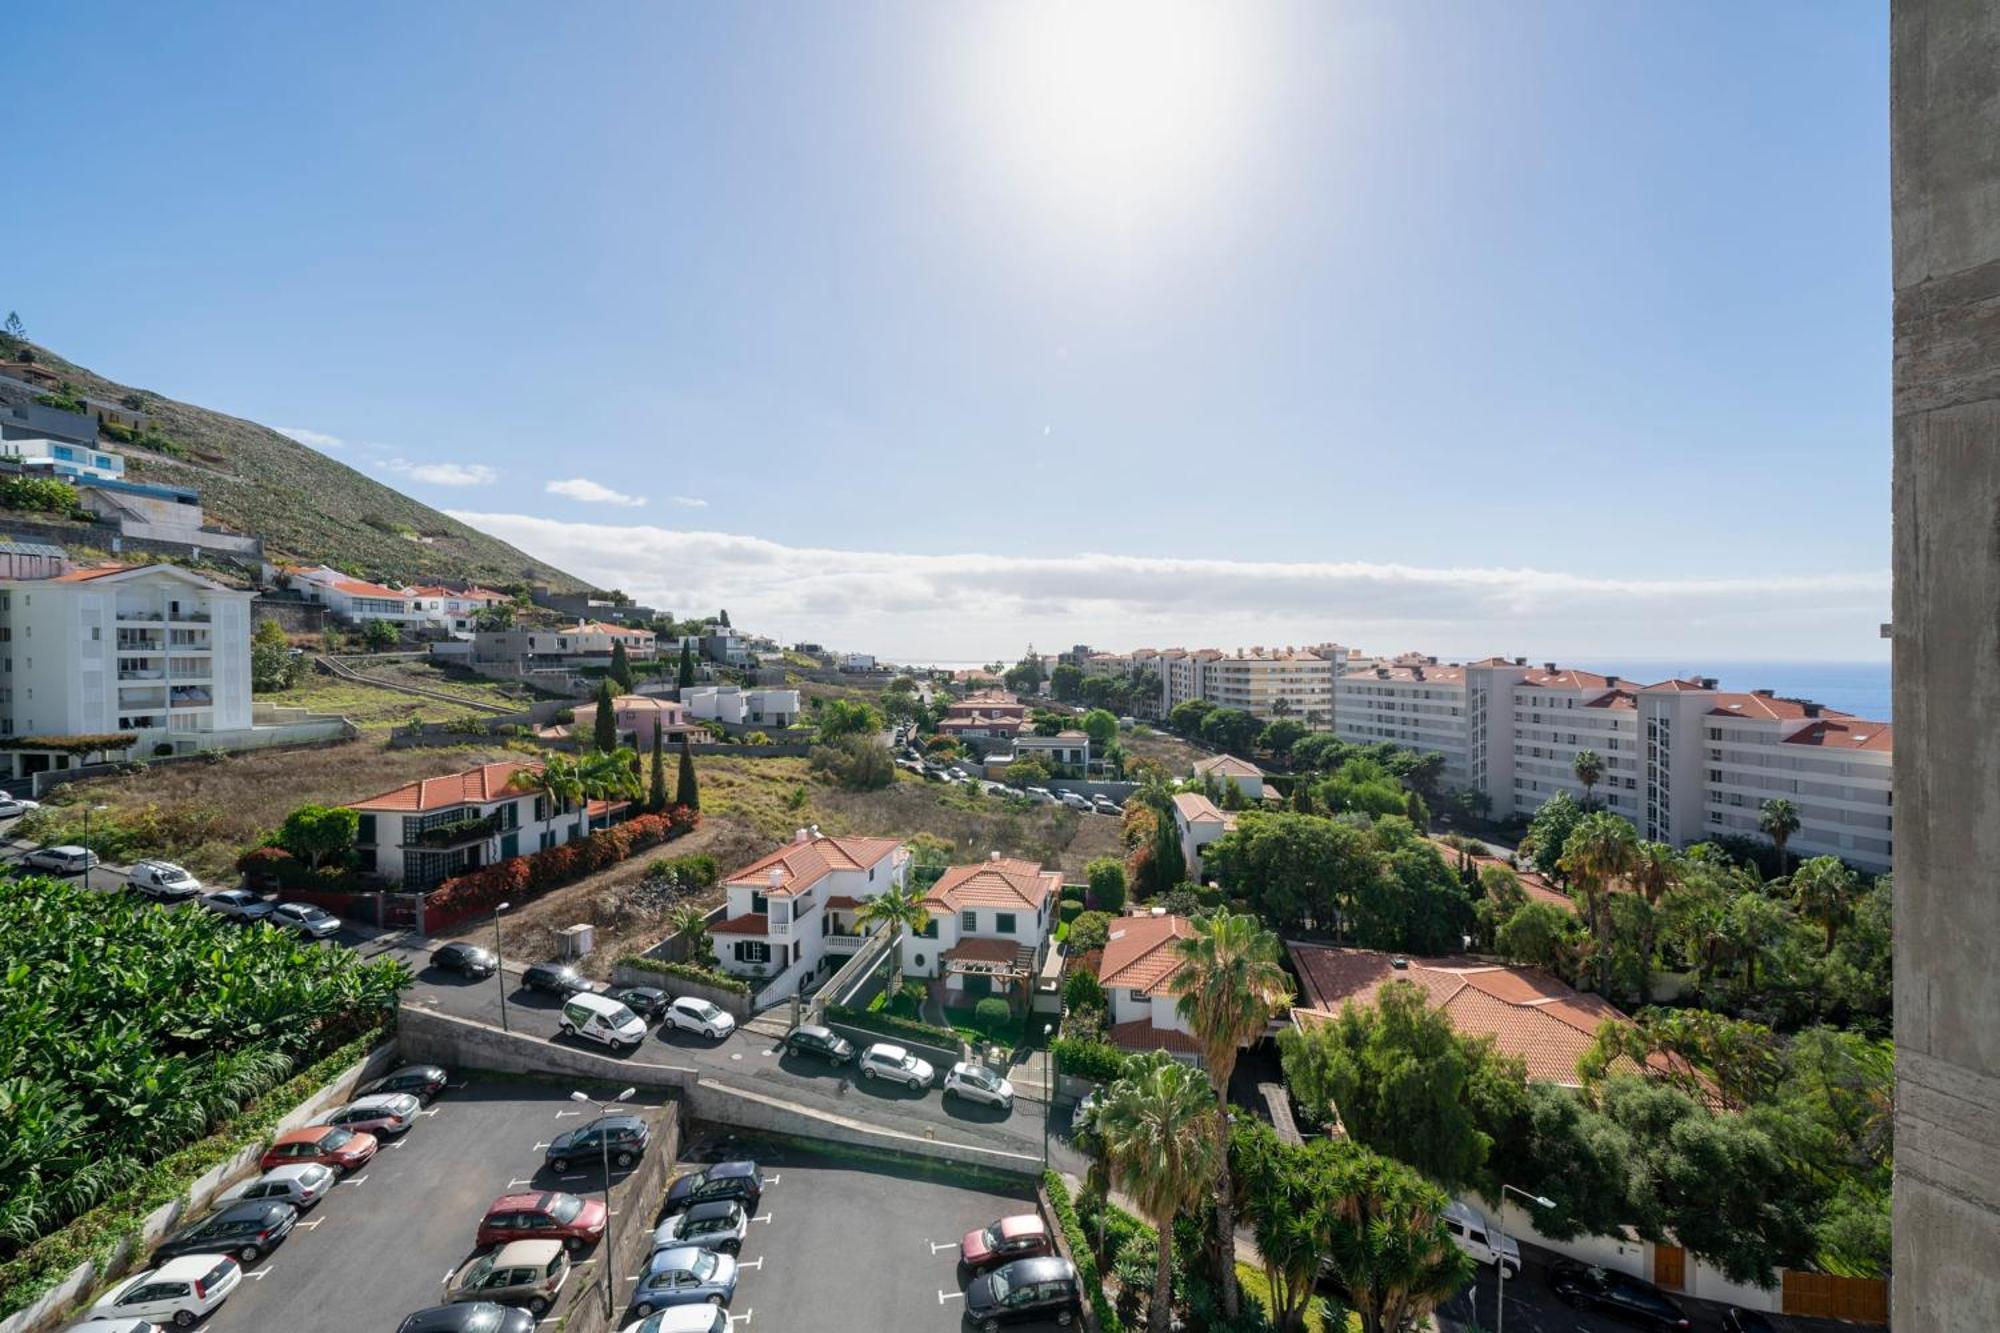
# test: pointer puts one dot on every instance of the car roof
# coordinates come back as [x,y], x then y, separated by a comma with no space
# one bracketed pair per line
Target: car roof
[1039,1269]
[813,1029]
[379,1099]
[187,1268]
[295,1170]
[529,1199]
[304,1134]
[740,1167]
[526,1252]
[247,1208]
[676,1256]
[1022,1224]
[887,1048]
[681,1319]
[712,1208]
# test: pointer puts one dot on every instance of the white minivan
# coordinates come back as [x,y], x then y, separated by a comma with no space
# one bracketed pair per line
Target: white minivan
[602,1020]
[1468,1228]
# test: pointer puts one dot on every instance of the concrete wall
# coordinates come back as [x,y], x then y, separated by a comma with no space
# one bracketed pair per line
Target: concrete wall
[735,1005]
[1945,191]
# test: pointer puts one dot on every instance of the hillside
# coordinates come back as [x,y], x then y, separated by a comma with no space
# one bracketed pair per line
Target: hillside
[306,506]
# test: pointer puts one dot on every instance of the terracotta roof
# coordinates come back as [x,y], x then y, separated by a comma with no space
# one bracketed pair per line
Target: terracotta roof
[1432,675]
[1228,766]
[474,786]
[750,923]
[1004,884]
[977,949]
[1843,733]
[1620,699]
[1566,678]
[1140,1035]
[1193,807]
[626,703]
[1532,883]
[1676,685]
[1140,953]
[1766,707]
[805,863]
[617,631]
[842,902]
[89,572]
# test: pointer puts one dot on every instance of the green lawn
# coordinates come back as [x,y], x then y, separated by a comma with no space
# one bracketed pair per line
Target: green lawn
[1254,1286]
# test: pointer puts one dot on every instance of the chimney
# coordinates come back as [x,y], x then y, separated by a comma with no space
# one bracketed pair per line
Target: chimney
[1416,673]
[814,830]
[776,875]
[1812,710]
[993,856]
[1159,911]
[799,835]
[1549,667]
[1520,661]
[1611,680]
[1765,694]
[1430,661]
[1709,682]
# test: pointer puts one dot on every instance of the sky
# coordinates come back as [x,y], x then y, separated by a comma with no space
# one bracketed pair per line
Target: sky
[933,330]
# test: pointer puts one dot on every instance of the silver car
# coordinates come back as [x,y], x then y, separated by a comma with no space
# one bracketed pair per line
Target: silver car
[977,1083]
[313,922]
[719,1224]
[887,1060]
[301,1185]
[237,904]
[385,1114]
[64,860]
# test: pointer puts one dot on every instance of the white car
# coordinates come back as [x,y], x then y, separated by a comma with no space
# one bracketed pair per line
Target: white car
[114,1326]
[1041,796]
[977,1083]
[683,1319]
[383,1114]
[163,880]
[64,860]
[1074,801]
[885,1060]
[239,905]
[1469,1231]
[13,807]
[697,1015]
[301,1185]
[181,1290]
[312,922]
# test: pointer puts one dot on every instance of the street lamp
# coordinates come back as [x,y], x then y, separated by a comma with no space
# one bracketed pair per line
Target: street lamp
[89,852]
[500,965]
[1048,1093]
[610,1255]
[1500,1256]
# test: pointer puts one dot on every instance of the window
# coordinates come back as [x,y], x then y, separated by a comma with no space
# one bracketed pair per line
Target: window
[364,832]
[1003,923]
[968,920]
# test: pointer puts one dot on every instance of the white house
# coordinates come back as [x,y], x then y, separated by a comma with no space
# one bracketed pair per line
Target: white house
[790,914]
[1199,822]
[1068,749]
[1227,768]
[857,661]
[454,609]
[586,643]
[990,923]
[733,704]
[1137,969]
[354,600]
[66,460]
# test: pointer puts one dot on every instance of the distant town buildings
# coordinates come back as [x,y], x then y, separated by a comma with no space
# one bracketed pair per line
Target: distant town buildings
[1267,683]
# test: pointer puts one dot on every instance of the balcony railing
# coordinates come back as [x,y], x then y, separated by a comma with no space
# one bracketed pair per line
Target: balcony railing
[454,835]
[151,673]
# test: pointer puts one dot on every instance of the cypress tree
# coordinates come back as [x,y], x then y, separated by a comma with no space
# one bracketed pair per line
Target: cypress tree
[656,799]
[689,793]
[605,736]
[687,664]
[1169,866]
[621,667]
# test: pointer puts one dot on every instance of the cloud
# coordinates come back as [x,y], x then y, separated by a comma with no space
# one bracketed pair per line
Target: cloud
[313,439]
[445,474]
[690,502]
[590,492]
[937,607]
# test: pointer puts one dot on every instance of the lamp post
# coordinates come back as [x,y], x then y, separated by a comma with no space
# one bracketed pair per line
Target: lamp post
[89,852]
[500,965]
[1500,1255]
[610,1233]
[1048,1092]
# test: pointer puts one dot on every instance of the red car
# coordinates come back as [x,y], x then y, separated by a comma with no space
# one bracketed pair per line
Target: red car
[330,1145]
[1011,1238]
[545,1215]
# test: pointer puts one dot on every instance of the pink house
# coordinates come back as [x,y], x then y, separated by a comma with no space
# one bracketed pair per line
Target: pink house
[636,715]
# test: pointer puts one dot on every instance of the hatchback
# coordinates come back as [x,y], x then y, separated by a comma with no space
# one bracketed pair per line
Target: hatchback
[1027,1290]
[977,1083]
[315,923]
[737,1181]
[238,905]
[64,860]
[472,1317]
[247,1231]
[622,1138]
[542,1215]
[301,1186]
[527,1273]
[12,807]
[386,1115]
[684,1276]
[423,1082]
[1023,1236]
[181,1290]
[466,959]
[719,1224]
[697,1015]
[1587,1287]
[329,1145]
[825,1043]
[682,1319]
[645,1001]
[887,1060]
[559,979]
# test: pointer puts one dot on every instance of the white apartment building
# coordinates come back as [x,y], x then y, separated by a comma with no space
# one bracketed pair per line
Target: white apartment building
[791,914]
[151,650]
[1557,714]
[1411,701]
[67,460]
[1266,683]
[741,707]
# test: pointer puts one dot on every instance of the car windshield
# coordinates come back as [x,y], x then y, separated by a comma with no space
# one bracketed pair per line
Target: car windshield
[1000,1288]
[991,1236]
[705,1011]
[704,1266]
[565,1207]
[339,1138]
[979,1076]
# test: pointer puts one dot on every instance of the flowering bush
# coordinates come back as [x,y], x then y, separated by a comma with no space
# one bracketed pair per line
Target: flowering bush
[520,878]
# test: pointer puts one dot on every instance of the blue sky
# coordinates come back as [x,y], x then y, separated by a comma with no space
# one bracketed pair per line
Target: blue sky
[1540,329]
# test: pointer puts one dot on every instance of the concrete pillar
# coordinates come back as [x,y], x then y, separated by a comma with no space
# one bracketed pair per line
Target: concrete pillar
[1945,136]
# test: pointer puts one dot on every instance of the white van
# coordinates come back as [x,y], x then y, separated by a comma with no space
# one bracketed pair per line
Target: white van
[1468,1228]
[602,1020]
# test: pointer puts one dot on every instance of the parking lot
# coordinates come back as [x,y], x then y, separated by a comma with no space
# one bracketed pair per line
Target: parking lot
[849,1245]
[384,1241]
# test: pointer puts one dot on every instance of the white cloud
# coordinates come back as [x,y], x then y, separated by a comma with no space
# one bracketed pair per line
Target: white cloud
[590,492]
[445,474]
[972,606]
[312,439]
[690,502]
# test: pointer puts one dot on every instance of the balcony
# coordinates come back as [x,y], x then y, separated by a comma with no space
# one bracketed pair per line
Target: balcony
[459,834]
[192,697]
[141,673]
[191,617]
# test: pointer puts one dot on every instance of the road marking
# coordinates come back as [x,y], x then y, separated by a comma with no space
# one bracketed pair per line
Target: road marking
[944,1296]
[743,1318]
[308,1226]
[736,1055]
[561,1114]
[431,1111]
[358,1180]
[936,1246]
[460,1084]
[512,1183]
[765,1218]
[540,1146]
[396,1143]
[261,1273]
[758,1262]
[770,1180]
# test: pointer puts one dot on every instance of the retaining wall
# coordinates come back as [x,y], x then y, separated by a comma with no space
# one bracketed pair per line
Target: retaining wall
[736,1005]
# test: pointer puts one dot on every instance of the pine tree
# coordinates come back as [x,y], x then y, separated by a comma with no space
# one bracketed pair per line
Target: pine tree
[687,663]
[656,799]
[722,619]
[605,736]
[621,667]
[689,794]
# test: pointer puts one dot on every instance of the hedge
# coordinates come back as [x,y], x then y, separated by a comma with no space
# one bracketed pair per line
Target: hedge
[92,743]
[1073,893]
[891,1026]
[1069,911]
[1097,1060]
[93,1236]
[687,972]
[521,878]
[1080,1252]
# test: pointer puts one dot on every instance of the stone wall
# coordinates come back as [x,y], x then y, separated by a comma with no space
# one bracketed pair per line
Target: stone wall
[737,1006]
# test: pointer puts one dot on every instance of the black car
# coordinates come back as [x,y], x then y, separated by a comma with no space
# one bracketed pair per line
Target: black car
[557,979]
[245,1231]
[1738,1320]
[471,1317]
[737,1181]
[1027,1290]
[649,1002]
[421,1081]
[621,1137]
[827,1044]
[1584,1287]
[467,960]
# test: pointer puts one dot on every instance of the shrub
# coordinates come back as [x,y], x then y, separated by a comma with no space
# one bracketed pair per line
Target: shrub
[991,1014]
[855,763]
[1087,1275]
[1092,930]
[522,877]
[1072,893]
[891,1026]
[696,871]
[687,972]
[1082,990]
[1107,884]
[1069,911]
[1099,1061]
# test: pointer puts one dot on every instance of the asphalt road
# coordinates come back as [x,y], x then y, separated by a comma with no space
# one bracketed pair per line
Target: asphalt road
[755,1061]
[1533,1308]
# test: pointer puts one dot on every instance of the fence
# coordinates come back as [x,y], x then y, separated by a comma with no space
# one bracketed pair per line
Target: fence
[1863,1300]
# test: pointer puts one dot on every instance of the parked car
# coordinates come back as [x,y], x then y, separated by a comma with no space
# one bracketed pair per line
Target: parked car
[163,881]
[1027,1290]
[1104,805]
[246,1231]
[114,1326]
[601,1019]
[1587,1287]
[719,1224]
[386,1115]
[301,1186]
[424,1082]
[179,1291]
[472,1317]
[1023,1236]
[315,923]
[622,1137]
[239,905]
[467,960]
[1041,795]
[13,807]
[329,1145]
[697,1015]
[740,1182]
[683,1319]
[1075,801]
[1469,1230]
[688,1275]
[1738,1320]
[558,979]
[542,1215]
[64,860]
[828,1045]
[1083,1119]
[887,1060]
[649,1002]
[977,1083]
[527,1273]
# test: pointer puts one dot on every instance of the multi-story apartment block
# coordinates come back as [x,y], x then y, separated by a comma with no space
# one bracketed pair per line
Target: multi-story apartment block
[64,460]
[1266,683]
[1413,702]
[1558,714]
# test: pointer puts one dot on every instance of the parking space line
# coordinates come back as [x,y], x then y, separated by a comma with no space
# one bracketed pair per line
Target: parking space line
[431,1111]
[770,1180]
[395,1143]
[540,1146]
[944,1296]
[743,1318]
[358,1180]
[766,1218]
[512,1183]
[945,1245]
[758,1262]
[261,1273]
[308,1226]
[561,1114]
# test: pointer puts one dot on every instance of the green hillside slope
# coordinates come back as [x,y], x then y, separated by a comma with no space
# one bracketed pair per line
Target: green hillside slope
[306,506]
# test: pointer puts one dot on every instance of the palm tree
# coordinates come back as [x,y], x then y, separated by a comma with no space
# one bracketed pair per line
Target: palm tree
[1601,851]
[1778,820]
[1388,1243]
[1157,1130]
[1280,707]
[690,923]
[1824,890]
[1656,872]
[897,909]
[611,776]
[556,781]
[1230,983]
[1589,769]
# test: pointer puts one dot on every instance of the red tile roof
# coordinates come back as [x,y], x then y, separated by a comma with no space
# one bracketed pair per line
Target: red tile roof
[617,631]
[1228,766]
[1842,733]
[89,572]
[804,864]
[1193,807]
[1676,685]
[1005,884]
[1140,953]
[1566,678]
[1620,699]
[841,902]
[474,786]
[1766,707]
[1140,1035]
[1430,675]
[750,923]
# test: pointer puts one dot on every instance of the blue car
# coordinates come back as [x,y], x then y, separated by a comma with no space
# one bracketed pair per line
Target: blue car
[688,1275]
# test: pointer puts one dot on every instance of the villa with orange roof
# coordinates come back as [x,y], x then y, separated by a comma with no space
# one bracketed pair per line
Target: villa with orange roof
[454,609]
[1137,968]
[790,915]
[990,924]
[354,600]
[1199,821]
